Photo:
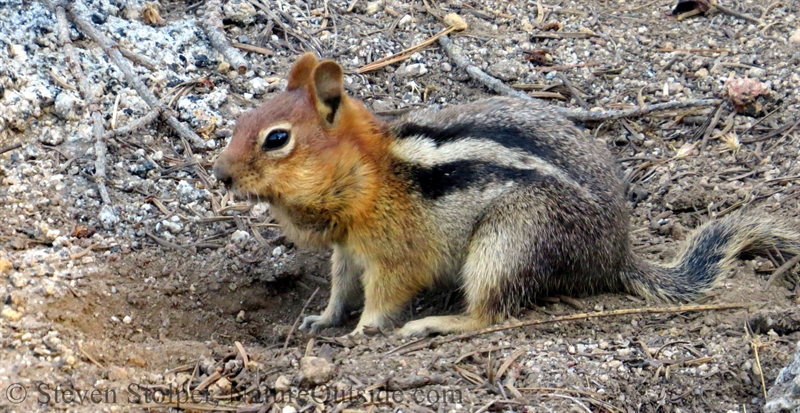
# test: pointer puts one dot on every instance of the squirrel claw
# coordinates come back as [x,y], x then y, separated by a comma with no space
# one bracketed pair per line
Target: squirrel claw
[313,323]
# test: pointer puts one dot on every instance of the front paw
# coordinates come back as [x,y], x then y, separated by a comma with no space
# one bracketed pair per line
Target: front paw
[315,323]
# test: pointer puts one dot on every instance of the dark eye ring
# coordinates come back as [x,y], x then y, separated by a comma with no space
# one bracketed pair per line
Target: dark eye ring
[275,139]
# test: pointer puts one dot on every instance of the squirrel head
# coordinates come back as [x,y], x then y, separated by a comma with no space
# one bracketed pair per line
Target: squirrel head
[310,146]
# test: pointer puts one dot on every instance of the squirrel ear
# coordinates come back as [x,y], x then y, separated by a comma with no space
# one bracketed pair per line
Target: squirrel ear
[300,74]
[329,89]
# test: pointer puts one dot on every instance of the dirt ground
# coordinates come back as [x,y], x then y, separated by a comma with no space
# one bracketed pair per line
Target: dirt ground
[160,296]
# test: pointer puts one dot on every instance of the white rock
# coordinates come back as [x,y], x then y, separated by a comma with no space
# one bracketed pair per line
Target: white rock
[51,136]
[258,86]
[108,217]
[64,106]
[239,236]
[412,70]
[795,37]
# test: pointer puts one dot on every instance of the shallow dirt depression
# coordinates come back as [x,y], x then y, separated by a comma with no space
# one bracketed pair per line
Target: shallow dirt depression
[169,285]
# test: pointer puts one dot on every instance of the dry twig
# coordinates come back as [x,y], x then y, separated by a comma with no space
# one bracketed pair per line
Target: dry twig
[572,317]
[212,26]
[88,94]
[455,22]
[10,148]
[781,270]
[297,320]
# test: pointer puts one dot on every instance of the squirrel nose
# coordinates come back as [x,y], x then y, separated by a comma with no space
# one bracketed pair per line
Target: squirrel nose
[222,173]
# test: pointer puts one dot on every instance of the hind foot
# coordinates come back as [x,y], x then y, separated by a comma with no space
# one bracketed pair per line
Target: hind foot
[442,325]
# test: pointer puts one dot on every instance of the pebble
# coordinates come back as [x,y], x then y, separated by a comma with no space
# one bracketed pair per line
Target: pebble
[756,72]
[117,373]
[108,217]
[701,73]
[795,37]
[258,86]
[223,384]
[10,314]
[412,70]
[5,265]
[64,106]
[283,383]
[373,7]
[504,69]
[315,370]
[239,236]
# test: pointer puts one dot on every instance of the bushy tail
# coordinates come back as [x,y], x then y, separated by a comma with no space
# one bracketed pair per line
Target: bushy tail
[708,253]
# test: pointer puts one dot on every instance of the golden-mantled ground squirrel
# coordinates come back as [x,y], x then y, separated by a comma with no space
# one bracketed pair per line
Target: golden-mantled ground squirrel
[501,197]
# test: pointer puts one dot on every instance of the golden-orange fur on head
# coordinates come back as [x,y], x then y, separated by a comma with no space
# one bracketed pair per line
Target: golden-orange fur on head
[324,173]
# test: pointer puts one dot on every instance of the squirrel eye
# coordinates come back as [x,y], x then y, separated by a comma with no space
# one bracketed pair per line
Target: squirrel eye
[275,139]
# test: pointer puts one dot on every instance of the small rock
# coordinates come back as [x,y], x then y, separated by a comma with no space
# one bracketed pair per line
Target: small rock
[283,383]
[315,370]
[108,217]
[404,21]
[277,251]
[795,37]
[223,384]
[239,11]
[117,374]
[17,51]
[64,106]
[289,409]
[223,67]
[504,70]
[127,319]
[756,72]
[240,317]
[5,266]
[10,314]
[784,396]
[701,73]
[258,86]
[373,7]
[52,137]
[239,236]
[136,360]
[187,193]
[412,70]
[446,67]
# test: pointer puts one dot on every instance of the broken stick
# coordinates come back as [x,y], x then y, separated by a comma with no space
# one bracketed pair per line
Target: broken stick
[212,26]
[428,343]
[88,94]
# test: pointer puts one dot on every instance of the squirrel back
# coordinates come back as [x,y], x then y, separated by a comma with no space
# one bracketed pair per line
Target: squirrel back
[503,198]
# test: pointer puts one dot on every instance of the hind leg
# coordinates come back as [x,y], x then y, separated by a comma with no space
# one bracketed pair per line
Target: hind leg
[491,276]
